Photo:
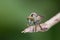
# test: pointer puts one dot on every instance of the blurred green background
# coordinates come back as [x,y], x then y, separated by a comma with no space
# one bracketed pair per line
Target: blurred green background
[13,15]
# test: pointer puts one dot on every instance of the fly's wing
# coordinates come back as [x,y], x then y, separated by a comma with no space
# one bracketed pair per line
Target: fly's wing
[39,18]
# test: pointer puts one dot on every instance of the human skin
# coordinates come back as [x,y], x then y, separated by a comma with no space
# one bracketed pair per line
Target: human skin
[46,25]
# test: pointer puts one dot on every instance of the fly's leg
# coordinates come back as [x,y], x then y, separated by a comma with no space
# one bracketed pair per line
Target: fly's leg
[35,28]
[44,27]
[40,27]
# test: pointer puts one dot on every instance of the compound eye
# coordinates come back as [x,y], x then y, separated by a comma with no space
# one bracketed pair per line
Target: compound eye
[32,15]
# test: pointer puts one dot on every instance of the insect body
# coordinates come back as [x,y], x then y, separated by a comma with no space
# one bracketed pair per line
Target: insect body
[34,19]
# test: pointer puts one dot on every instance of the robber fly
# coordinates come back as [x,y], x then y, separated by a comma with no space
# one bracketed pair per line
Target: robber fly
[34,19]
